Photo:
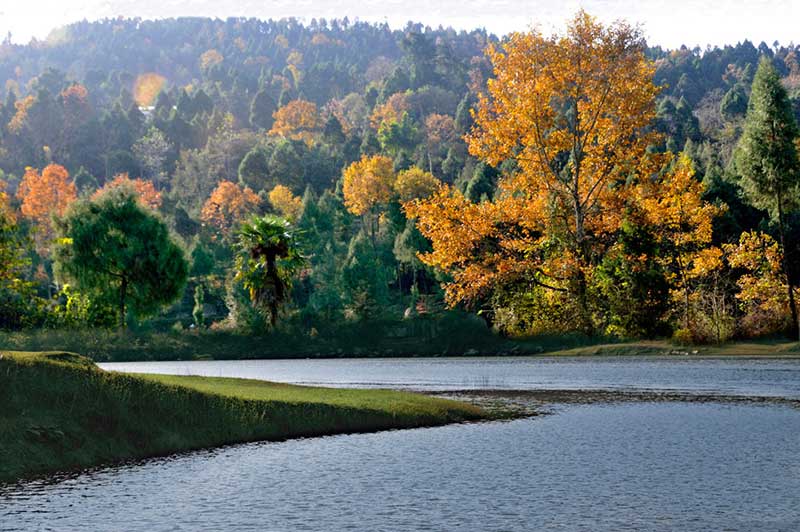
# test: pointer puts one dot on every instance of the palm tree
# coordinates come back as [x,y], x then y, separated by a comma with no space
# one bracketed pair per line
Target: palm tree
[268,258]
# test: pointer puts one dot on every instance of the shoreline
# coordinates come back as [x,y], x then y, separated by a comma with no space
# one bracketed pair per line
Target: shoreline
[529,402]
[63,413]
[110,346]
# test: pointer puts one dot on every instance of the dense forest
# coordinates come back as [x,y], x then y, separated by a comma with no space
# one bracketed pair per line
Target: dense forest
[300,177]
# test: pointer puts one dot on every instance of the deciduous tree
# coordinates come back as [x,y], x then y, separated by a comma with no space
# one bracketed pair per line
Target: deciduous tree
[44,195]
[287,204]
[228,205]
[145,190]
[298,120]
[570,111]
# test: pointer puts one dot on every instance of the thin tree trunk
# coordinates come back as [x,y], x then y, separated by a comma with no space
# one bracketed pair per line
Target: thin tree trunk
[794,330]
[123,292]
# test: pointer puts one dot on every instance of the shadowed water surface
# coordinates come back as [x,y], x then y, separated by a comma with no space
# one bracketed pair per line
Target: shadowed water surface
[631,466]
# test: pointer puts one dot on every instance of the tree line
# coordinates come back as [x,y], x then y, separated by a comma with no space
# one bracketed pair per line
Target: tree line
[247,175]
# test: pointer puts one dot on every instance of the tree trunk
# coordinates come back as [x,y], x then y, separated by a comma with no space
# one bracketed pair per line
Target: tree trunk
[123,293]
[794,330]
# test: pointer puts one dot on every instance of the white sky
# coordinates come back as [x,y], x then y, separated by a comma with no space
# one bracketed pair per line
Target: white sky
[669,23]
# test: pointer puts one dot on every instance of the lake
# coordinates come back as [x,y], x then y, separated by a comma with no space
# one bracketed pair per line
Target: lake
[601,467]
[775,377]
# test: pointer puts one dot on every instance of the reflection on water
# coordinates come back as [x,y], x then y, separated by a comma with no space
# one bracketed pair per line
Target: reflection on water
[767,377]
[634,466]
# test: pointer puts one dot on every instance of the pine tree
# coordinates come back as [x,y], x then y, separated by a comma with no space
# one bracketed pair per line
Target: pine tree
[767,160]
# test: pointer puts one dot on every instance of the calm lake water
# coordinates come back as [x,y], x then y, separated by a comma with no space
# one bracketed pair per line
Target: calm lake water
[775,377]
[600,467]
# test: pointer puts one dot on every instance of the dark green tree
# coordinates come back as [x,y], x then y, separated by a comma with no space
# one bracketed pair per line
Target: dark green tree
[114,249]
[268,259]
[633,285]
[261,109]
[766,158]
[254,168]
[734,103]
[16,294]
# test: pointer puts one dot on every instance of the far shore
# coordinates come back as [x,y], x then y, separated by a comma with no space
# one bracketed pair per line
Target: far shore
[135,346]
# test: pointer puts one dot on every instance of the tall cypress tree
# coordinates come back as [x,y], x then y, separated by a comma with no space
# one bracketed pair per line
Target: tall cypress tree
[767,160]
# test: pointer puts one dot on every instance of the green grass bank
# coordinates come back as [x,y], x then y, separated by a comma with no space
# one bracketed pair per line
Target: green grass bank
[61,412]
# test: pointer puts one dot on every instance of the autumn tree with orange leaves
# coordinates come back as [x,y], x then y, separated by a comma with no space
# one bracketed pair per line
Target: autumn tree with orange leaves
[228,205]
[148,195]
[43,195]
[571,112]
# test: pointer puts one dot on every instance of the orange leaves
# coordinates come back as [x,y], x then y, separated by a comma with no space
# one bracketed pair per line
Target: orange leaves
[368,183]
[17,122]
[298,120]
[5,203]
[415,183]
[75,95]
[145,189]
[287,204]
[569,110]
[481,245]
[45,194]
[228,206]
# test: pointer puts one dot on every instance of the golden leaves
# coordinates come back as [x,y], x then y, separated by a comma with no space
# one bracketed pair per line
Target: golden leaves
[298,120]
[147,87]
[391,111]
[287,204]
[415,183]
[210,58]
[368,183]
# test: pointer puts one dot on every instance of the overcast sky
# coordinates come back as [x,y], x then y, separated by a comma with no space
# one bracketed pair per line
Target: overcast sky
[669,23]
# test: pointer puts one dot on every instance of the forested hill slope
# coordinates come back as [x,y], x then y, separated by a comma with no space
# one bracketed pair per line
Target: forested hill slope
[210,64]
[336,127]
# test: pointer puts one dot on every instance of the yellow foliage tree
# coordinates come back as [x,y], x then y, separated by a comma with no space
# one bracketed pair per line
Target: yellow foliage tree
[415,183]
[763,290]
[570,110]
[298,120]
[674,207]
[368,183]
[391,111]
[210,58]
[228,206]
[5,202]
[287,204]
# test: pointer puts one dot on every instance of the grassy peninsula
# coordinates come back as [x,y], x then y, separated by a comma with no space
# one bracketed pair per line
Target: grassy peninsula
[61,412]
